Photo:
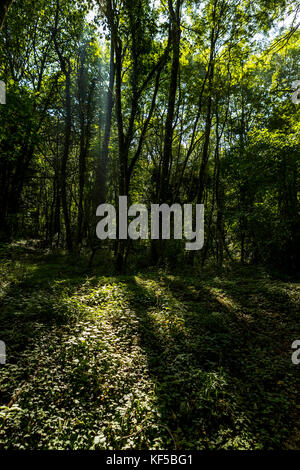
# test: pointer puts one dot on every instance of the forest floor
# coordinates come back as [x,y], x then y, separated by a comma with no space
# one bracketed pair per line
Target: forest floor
[151,360]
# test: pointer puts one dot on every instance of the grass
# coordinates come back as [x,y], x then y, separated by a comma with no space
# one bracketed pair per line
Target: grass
[150,360]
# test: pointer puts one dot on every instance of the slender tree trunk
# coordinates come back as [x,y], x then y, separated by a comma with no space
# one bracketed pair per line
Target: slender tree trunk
[101,171]
[85,116]
[4,8]
[100,189]
[169,130]
[64,161]
[157,246]
[208,120]
[125,138]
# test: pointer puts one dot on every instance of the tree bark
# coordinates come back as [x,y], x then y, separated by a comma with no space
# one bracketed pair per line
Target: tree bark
[4,8]
[65,157]
[101,171]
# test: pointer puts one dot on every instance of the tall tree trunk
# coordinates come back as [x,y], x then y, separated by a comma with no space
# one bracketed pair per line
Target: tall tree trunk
[125,138]
[208,120]
[4,7]
[65,157]
[100,189]
[163,190]
[169,130]
[101,171]
[85,99]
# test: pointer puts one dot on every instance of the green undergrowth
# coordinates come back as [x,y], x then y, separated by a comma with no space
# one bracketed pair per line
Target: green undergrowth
[145,361]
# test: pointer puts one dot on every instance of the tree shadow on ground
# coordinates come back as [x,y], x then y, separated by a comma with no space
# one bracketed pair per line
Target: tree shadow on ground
[221,377]
[217,347]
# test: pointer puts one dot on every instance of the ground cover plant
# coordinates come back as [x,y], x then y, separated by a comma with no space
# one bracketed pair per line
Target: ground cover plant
[123,331]
[146,361]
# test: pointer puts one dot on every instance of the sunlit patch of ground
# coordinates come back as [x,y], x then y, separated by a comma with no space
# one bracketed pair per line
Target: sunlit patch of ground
[145,361]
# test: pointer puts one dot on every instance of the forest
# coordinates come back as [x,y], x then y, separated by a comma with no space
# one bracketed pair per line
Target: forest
[126,342]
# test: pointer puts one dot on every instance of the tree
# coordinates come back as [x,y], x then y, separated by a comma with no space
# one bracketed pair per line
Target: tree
[4,8]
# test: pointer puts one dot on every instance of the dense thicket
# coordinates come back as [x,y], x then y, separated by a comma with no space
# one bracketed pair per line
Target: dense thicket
[179,101]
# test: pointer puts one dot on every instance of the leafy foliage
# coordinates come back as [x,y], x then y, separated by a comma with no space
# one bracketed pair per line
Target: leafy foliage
[145,361]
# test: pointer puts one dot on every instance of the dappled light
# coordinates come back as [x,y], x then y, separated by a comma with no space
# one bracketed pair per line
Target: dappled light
[149,228]
[151,360]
